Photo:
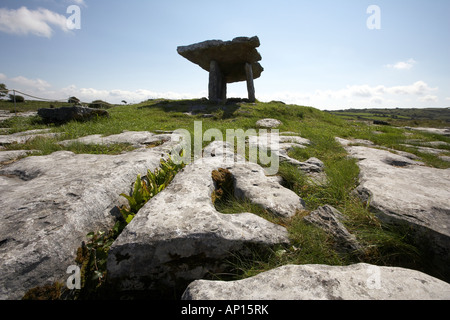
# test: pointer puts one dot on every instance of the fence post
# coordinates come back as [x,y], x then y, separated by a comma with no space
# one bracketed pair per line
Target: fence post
[15,109]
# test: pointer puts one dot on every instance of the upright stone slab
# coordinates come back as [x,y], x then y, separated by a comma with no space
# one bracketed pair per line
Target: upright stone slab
[227,62]
[250,84]
[217,84]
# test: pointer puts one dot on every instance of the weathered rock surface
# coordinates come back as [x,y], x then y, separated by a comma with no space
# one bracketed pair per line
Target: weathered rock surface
[445,131]
[6,156]
[26,136]
[5,114]
[230,55]
[251,183]
[136,138]
[49,204]
[330,220]
[401,190]
[280,145]
[268,123]
[66,114]
[178,236]
[321,282]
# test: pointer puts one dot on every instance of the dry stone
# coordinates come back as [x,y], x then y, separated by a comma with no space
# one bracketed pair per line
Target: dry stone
[138,139]
[331,220]
[321,282]
[66,114]
[179,236]
[226,62]
[26,136]
[401,190]
[49,204]
[268,123]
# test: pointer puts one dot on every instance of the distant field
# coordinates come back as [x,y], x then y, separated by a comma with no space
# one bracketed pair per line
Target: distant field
[431,117]
[30,105]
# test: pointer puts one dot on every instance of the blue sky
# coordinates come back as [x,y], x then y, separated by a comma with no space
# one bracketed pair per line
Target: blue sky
[315,53]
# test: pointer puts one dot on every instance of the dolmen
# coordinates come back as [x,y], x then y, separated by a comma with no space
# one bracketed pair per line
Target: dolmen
[227,62]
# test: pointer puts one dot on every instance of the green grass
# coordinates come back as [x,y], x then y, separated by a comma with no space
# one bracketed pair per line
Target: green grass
[385,245]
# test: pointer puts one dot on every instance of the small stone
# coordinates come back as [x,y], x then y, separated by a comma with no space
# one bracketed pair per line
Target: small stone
[268,123]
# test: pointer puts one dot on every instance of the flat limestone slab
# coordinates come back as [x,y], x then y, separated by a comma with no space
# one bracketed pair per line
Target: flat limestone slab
[231,56]
[49,204]
[321,282]
[179,236]
[402,190]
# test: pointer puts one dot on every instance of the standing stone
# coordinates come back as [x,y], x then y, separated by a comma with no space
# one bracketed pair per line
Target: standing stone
[250,84]
[217,84]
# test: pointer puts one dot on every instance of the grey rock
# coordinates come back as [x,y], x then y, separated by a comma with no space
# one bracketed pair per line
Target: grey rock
[251,183]
[6,114]
[26,136]
[6,156]
[66,114]
[138,139]
[268,123]
[321,282]
[400,190]
[49,204]
[230,55]
[330,220]
[444,131]
[179,236]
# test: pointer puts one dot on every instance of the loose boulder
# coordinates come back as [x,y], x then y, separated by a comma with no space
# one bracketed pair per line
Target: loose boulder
[320,282]
[331,221]
[66,114]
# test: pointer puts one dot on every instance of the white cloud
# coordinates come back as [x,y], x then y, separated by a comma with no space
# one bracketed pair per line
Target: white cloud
[403,65]
[429,98]
[415,95]
[37,22]
[26,83]
[360,96]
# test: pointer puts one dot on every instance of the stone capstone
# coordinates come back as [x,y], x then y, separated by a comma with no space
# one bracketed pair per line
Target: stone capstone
[226,62]
[50,203]
[66,114]
[230,55]
[179,236]
[320,282]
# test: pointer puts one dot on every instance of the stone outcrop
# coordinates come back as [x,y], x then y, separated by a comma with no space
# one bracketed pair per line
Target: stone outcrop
[7,156]
[321,282]
[49,204]
[179,236]
[268,123]
[67,114]
[401,190]
[226,62]
[331,221]
[138,139]
[26,136]
[445,131]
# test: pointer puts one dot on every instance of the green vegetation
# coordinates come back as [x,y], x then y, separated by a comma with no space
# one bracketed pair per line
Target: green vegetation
[384,244]
[149,186]
[93,256]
